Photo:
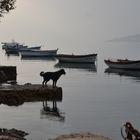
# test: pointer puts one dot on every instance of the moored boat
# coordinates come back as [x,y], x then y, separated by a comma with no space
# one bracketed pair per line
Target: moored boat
[15,47]
[12,45]
[66,58]
[38,53]
[11,50]
[123,63]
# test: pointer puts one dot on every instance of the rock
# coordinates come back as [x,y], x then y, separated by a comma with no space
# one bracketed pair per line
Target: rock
[81,136]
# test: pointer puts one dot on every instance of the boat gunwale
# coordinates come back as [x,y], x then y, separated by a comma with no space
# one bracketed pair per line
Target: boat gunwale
[123,62]
[33,50]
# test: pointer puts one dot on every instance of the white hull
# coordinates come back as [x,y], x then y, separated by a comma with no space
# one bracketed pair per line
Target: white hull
[132,65]
[38,53]
[77,58]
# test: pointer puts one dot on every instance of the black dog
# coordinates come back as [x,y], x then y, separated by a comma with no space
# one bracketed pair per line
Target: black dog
[54,76]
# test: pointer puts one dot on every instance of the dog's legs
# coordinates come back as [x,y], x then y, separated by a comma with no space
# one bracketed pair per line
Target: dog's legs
[43,83]
[46,83]
[54,84]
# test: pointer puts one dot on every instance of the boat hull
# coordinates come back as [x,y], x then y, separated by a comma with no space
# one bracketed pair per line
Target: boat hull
[128,65]
[38,53]
[77,58]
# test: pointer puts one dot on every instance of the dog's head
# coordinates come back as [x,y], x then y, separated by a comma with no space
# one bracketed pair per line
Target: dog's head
[63,71]
[41,73]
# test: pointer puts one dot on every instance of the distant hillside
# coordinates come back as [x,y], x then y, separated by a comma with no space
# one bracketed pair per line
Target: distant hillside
[133,38]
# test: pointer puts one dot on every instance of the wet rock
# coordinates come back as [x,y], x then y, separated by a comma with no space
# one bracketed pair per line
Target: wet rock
[12,134]
[3,77]
[7,73]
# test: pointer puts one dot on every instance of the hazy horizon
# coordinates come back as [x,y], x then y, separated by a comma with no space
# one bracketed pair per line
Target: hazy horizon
[70,24]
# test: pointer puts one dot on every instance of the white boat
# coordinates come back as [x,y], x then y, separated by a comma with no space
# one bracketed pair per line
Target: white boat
[13,44]
[19,49]
[38,53]
[15,47]
[89,58]
[123,64]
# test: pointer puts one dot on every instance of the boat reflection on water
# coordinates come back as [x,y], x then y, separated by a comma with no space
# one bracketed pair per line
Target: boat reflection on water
[133,74]
[12,54]
[80,66]
[51,112]
[39,58]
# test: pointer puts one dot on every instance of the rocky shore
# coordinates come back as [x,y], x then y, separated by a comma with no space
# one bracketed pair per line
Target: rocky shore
[12,134]
[81,136]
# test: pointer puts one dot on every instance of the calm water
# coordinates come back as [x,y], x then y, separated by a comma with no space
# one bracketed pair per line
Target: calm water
[93,100]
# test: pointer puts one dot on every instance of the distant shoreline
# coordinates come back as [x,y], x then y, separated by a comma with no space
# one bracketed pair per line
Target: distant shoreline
[131,38]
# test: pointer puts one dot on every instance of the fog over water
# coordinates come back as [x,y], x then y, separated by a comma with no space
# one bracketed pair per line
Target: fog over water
[70,25]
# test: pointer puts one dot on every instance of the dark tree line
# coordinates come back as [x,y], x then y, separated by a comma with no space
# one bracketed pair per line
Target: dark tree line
[6,6]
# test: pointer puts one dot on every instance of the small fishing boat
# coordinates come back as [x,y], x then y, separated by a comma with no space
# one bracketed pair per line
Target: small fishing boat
[13,44]
[15,47]
[123,64]
[18,49]
[38,53]
[66,58]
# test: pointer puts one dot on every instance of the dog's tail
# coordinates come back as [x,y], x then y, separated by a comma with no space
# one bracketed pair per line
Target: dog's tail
[41,73]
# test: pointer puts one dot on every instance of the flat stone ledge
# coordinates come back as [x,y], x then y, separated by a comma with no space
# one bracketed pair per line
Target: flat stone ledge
[18,94]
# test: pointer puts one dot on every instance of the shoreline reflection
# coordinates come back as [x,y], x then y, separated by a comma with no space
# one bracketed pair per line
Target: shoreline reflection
[39,58]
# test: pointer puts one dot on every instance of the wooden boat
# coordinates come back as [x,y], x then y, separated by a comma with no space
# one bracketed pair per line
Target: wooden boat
[38,53]
[123,64]
[90,58]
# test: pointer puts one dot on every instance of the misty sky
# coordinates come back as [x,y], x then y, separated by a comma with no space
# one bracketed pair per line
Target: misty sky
[70,22]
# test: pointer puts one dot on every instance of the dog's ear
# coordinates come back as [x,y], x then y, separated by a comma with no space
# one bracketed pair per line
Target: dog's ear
[41,73]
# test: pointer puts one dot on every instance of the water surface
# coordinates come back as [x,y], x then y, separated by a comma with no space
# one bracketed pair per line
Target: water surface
[94,99]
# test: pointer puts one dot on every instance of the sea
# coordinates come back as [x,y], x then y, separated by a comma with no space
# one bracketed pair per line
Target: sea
[95,99]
